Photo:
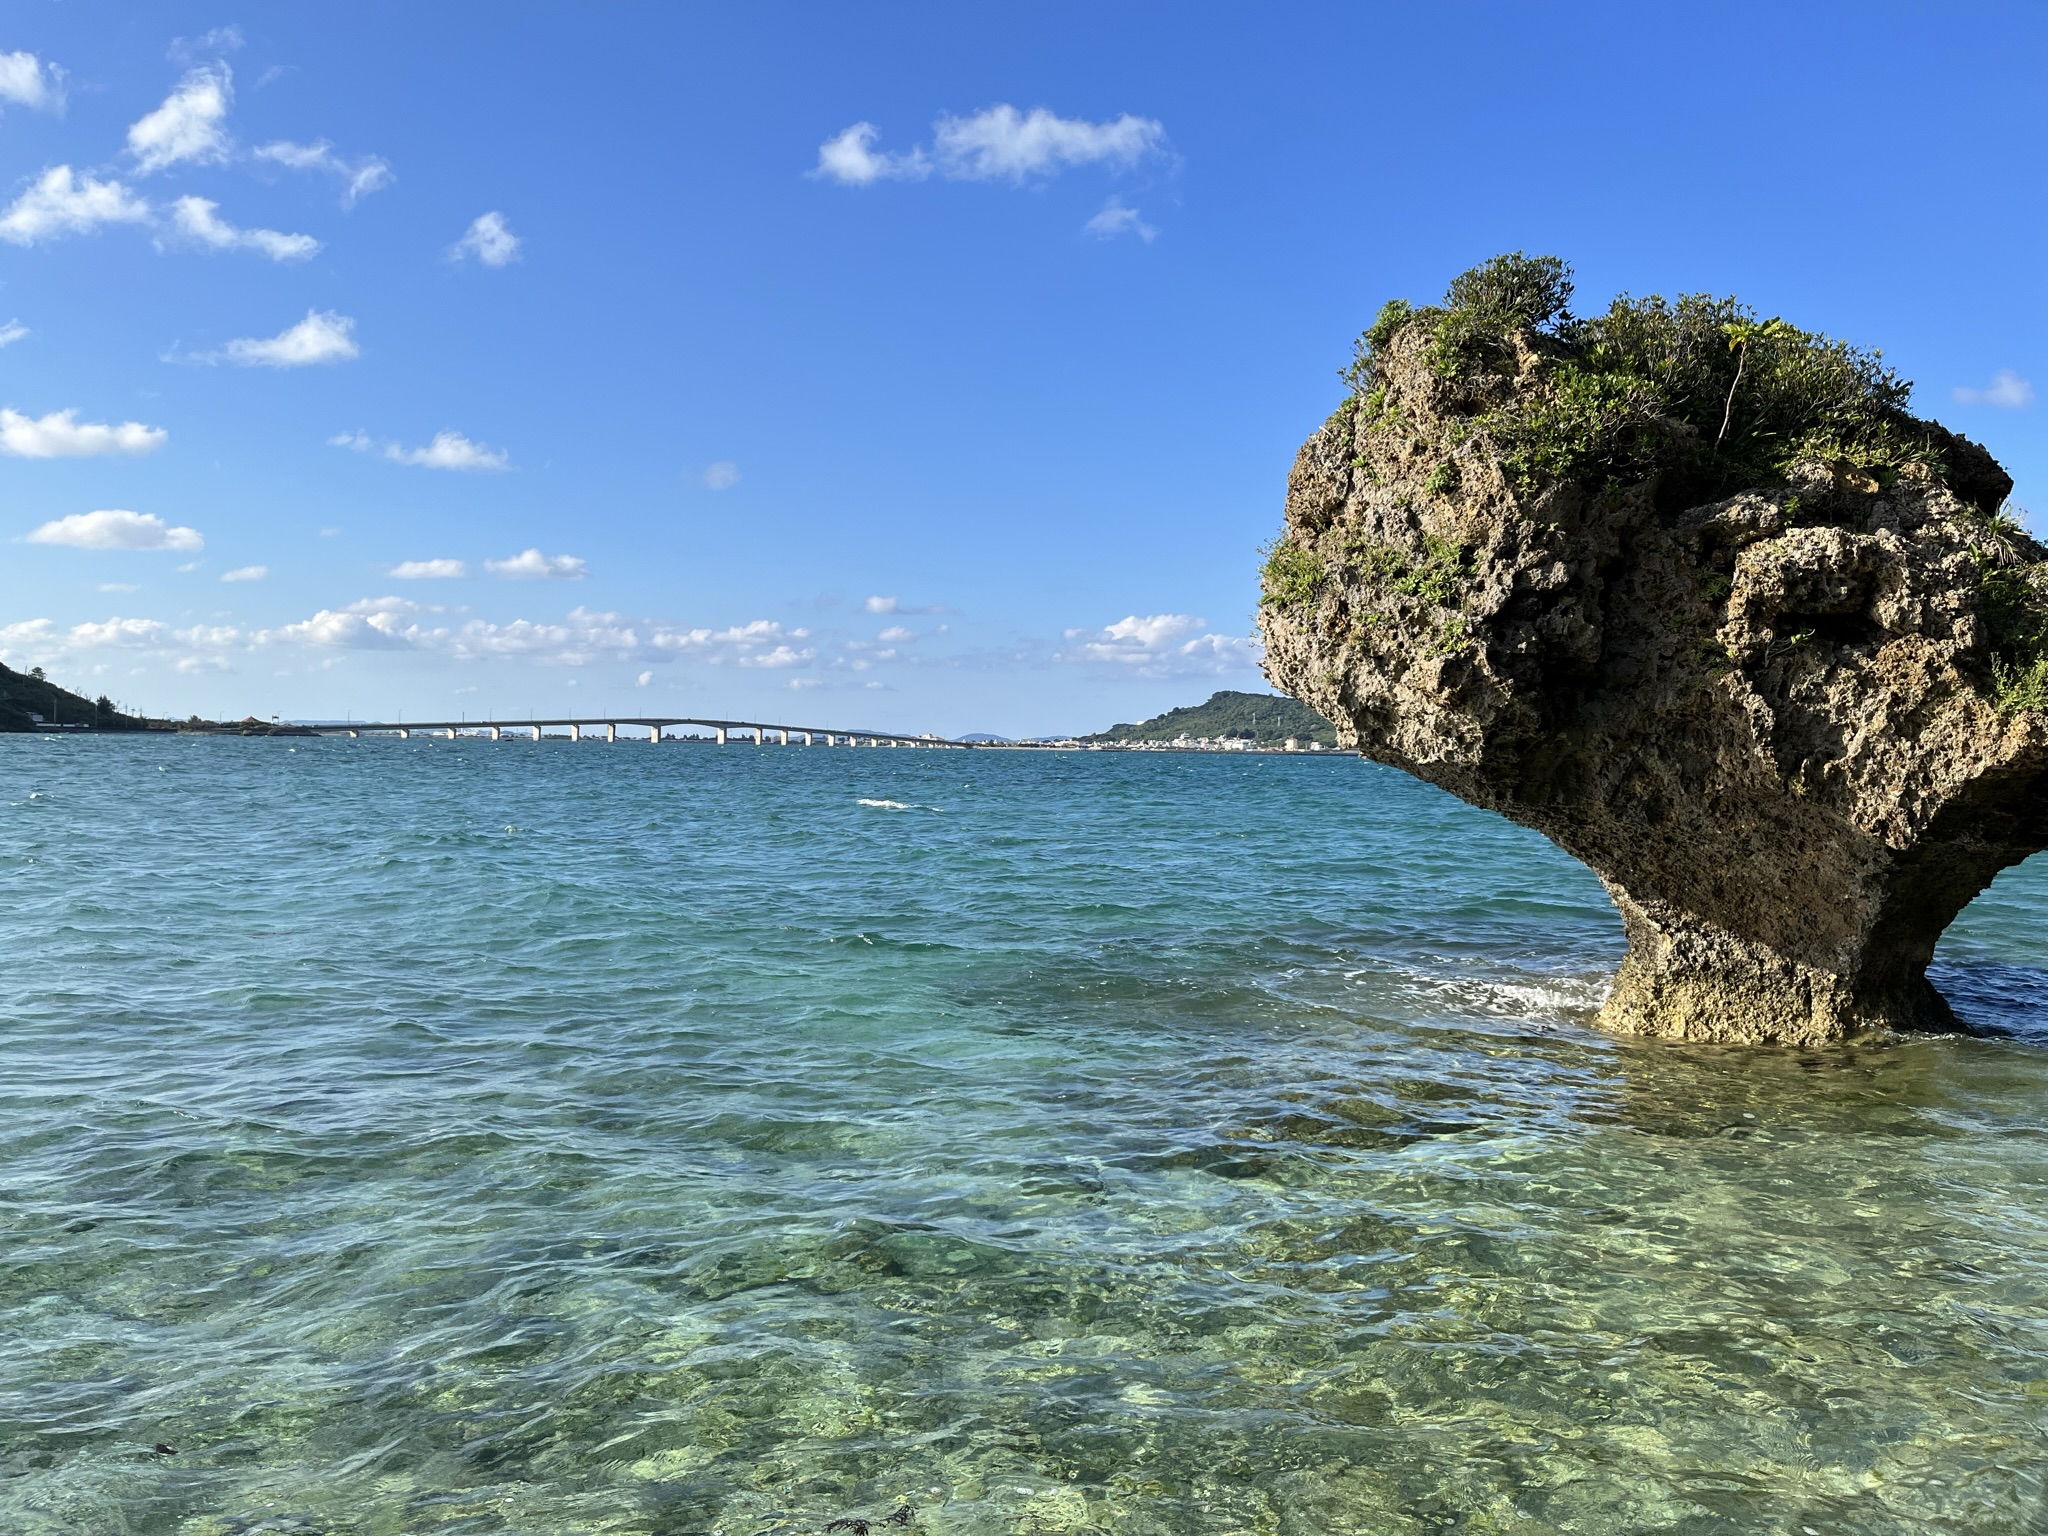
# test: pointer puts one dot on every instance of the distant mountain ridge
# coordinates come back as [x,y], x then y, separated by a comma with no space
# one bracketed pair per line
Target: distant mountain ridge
[1263,719]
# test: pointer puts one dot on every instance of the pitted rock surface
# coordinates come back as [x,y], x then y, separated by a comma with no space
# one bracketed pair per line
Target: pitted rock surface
[1767,723]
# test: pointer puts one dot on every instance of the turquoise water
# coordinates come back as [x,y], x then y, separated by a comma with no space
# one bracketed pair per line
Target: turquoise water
[448,1137]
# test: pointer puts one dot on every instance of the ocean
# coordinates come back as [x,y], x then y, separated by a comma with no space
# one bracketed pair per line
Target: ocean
[450,1137]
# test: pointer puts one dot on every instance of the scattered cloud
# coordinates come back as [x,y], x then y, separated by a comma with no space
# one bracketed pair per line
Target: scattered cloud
[850,159]
[374,624]
[189,126]
[489,239]
[115,529]
[897,605]
[532,565]
[429,570]
[1160,645]
[322,337]
[2007,391]
[1115,219]
[119,586]
[12,332]
[61,203]
[1003,143]
[581,638]
[999,144]
[27,81]
[60,435]
[195,219]
[359,178]
[246,573]
[187,50]
[643,679]
[722,476]
[448,450]
[897,634]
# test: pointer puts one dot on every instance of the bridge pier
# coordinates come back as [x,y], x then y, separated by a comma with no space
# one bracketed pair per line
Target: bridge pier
[721,735]
[451,733]
[536,732]
[404,734]
[611,731]
[654,735]
[494,733]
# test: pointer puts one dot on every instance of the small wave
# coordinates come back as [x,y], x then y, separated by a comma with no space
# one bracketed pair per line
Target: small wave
[892,805]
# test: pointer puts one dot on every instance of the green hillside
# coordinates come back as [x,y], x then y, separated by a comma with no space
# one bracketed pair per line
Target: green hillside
[24,695]
[1264,719]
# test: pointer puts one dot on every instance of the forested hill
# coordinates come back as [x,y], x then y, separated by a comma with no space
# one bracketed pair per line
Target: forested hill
[1264,719]
[24,695]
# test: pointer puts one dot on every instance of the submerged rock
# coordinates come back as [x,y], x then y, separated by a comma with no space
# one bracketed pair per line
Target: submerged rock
[1692,595]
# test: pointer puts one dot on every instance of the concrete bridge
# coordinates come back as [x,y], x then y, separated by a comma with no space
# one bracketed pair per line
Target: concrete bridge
[760,733]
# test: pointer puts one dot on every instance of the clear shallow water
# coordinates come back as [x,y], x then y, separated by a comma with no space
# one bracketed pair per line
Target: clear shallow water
[447,1137]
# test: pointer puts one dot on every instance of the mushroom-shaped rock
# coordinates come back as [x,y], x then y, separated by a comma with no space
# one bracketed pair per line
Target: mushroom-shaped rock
[1694,596]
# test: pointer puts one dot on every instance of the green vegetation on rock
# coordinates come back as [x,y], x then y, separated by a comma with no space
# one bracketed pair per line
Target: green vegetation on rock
[1697,391]
[1263,719]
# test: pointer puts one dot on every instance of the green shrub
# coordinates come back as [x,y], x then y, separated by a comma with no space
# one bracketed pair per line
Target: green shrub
[1293,575]
[2018,689]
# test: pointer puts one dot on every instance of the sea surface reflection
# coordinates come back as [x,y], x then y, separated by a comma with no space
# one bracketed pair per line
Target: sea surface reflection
[456,1137]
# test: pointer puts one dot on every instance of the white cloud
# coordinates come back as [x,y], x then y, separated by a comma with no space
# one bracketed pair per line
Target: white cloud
[2007,390]
[532,565]
[1115,219]
[115,529]
[897,605]
[359,178]
[196,220]
[246,573]
[429,570]
[1162,644]
[896,634]
[119,586]
[12,332]
[580,638]
[40,640]
[347,629]
[60,436]
[184,50]
[27,81]
[722,476]
[999,144]
[850,159]
[188,126]
[448,450]
[63,204]
[489,239]
[1003,143]
[322,337]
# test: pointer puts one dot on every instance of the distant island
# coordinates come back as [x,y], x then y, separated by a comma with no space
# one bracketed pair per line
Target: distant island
[1229,720]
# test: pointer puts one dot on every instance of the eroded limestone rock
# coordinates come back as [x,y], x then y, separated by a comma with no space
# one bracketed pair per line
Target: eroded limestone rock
[1777,721]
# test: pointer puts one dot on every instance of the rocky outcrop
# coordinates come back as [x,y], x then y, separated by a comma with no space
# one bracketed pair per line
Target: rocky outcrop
[1791,722]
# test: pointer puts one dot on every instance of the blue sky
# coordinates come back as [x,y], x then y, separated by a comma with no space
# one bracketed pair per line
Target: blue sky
[495,358]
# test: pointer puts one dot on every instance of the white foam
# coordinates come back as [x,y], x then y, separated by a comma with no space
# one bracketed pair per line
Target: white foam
[886,805]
